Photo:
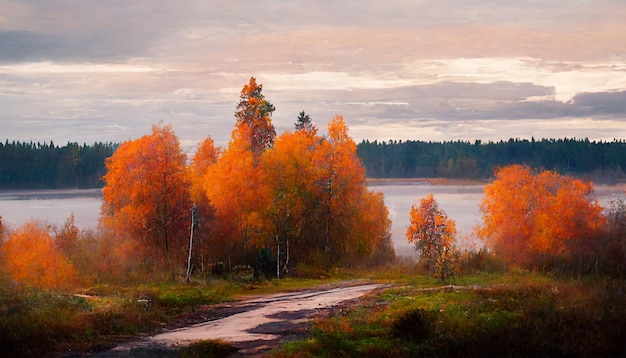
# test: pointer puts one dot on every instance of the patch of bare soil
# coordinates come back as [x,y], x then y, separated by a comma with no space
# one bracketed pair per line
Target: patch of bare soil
[254,326]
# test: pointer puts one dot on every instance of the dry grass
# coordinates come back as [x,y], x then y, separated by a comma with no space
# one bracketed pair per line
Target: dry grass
[512,315]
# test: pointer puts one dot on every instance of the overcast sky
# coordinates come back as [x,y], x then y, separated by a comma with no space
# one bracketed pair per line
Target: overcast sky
[85,71]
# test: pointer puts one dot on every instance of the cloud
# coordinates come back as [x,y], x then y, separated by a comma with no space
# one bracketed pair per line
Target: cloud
[437,69]
[454,101]
[602,103]
[18,46]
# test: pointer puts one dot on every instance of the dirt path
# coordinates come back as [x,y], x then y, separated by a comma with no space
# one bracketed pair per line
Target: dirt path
[254,325]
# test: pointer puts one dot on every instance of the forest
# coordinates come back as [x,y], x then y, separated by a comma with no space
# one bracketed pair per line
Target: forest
[270,210]
[49,166]
[465,160]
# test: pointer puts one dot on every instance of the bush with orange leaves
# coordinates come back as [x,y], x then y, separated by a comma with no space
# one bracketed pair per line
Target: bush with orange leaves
[539,219]
[29,257]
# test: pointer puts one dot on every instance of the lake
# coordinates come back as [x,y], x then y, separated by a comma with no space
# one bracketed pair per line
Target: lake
[52,206]
[460,202]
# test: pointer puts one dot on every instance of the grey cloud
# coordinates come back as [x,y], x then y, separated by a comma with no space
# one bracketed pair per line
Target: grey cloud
[451,101]
[28,46]
[92,30]
[601,103]
[209,50]
[448,100]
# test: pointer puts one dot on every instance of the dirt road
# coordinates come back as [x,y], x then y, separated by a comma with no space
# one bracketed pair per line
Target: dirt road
[254,325]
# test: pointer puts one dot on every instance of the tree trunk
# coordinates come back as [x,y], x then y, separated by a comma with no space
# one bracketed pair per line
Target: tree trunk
[193,222]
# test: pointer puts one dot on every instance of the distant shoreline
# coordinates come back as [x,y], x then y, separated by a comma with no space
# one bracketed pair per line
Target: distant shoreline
[30,194]
[425,181]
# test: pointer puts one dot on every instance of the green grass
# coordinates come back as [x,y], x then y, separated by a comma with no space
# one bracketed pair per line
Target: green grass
[512,314]
[38,323]
[517,313]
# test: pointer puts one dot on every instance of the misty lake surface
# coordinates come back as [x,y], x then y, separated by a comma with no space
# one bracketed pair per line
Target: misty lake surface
[460,202]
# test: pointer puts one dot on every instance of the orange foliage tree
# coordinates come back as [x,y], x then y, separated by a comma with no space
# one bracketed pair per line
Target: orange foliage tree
[205,157]
[371,230]
[146,197]
[340,176]
[287,168]
[530,216]
[433,234]
[301,195]
[340,200]
[236,187]
[30,257]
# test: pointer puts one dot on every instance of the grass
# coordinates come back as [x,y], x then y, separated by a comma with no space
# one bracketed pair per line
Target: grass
[38,323]
[516,313]
[512,314]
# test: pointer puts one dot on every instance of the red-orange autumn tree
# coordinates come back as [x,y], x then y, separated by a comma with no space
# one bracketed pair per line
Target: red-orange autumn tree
[203,245]
[235,184]
[433,234]
[372,243]
[341,191]
[320,194]
[146,198]
[262,201]
[30,257]
[531,217]
[288,172]
[300,196]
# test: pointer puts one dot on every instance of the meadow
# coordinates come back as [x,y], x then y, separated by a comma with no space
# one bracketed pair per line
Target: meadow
[492,311]
[509,313]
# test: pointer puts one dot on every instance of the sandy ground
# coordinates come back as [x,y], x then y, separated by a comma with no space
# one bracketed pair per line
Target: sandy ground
[254,325]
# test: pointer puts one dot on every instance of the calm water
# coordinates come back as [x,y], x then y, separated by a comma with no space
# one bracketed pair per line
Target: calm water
[460,202]
[52,206]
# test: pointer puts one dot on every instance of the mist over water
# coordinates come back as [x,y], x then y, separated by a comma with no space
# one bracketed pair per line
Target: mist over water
[460,202]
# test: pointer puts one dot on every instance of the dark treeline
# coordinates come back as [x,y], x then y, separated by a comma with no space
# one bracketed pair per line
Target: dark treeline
[48,166]
[28,165]
[466,160]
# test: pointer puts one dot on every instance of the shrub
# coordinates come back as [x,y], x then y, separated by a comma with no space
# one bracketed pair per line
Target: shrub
[415,325]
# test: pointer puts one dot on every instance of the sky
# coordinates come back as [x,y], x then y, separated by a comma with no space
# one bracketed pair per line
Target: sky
[106,71]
